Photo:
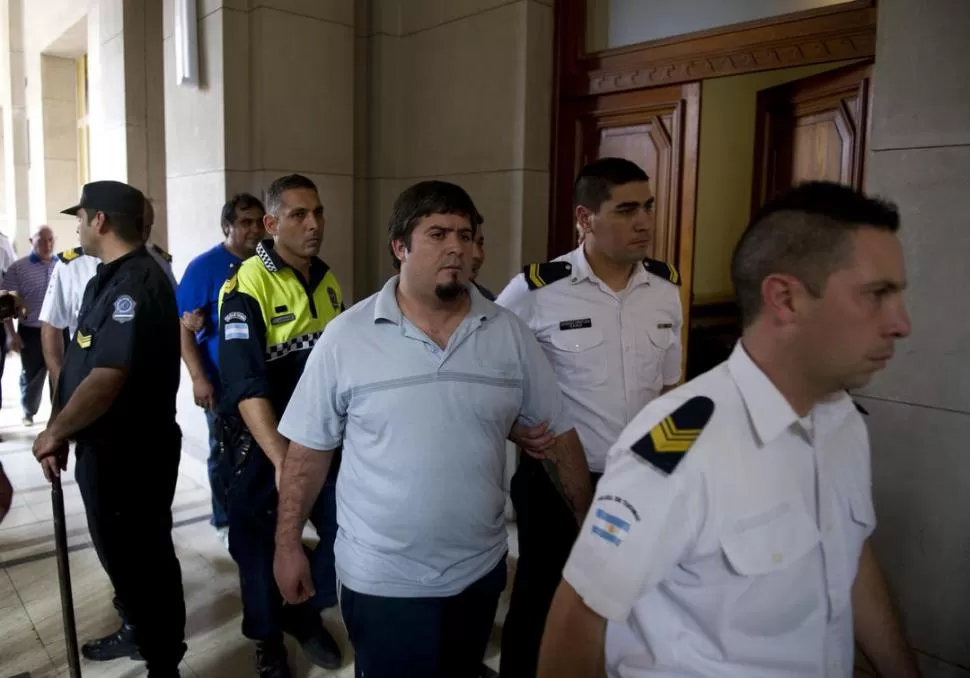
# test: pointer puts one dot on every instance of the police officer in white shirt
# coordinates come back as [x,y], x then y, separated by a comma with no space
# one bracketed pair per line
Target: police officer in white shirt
[609,320]
[729,535]
[65,291]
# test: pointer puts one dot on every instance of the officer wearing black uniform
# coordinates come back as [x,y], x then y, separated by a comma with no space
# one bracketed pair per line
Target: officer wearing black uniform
[116,400]
[272,310]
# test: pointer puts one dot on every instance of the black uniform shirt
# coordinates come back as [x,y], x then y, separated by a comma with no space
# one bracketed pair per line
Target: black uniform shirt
[128,320]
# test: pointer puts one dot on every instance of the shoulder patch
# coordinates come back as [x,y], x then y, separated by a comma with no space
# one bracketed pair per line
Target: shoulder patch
[540,275]
[162,253]
[70,255]
[859,407]
[231,284]
[667,442]
[663,270]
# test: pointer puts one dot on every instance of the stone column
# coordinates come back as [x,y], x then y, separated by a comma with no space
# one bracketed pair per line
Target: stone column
[13,109]
[920,406]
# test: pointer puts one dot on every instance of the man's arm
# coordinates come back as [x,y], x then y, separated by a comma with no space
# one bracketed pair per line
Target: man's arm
[574,639]
[261,421]
[52,344]
[565,464]
[202,389]
[304,472]
[877,629]
[91,399]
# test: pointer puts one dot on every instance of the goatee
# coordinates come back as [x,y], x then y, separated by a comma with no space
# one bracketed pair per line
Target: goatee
[449,291]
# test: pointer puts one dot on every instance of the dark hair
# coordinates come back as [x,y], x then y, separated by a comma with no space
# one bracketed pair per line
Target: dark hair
[804,233]
[128,228]
[596,180]
[240,201]
[283,184]
[424,199]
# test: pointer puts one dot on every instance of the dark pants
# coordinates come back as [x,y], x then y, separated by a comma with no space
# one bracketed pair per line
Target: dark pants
[423,637]
[219,516]
[34,370]
[252,530]
[547,530]
[128,494]
[3,355]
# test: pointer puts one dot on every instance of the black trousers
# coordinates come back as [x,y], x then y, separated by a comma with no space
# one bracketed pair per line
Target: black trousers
[547,530]
[252,510]
[128,495]
[423,637]
[34,370]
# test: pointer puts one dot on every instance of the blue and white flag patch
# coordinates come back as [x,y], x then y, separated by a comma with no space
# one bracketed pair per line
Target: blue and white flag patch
[236,331]
[609,527]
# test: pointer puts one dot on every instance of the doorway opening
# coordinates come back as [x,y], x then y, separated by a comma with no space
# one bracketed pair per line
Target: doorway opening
[721,120]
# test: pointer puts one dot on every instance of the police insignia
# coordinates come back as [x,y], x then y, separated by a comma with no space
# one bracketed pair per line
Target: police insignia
[663,270]
[230,284]
[540,275]
[667,442]
[332,293]
[83,340]
[124,309]
[70,255]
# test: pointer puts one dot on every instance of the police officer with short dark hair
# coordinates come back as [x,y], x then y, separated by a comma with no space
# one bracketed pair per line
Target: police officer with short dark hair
[272,311]
[116,399]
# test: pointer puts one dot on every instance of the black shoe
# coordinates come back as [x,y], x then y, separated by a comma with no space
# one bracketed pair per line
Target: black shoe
[119,644]
[318,645]
[271,660]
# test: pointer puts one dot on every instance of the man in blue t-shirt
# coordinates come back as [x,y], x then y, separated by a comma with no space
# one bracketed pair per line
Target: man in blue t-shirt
[198,301]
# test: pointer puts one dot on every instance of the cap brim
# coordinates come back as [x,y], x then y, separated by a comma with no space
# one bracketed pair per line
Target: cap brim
[72,210]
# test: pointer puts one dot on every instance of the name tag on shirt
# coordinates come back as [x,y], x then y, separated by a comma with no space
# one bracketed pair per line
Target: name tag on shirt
[578,324]
[665,326]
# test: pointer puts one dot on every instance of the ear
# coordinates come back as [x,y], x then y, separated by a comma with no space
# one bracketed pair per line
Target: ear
[270,223]
[584,219]
[780,297]
[400,251]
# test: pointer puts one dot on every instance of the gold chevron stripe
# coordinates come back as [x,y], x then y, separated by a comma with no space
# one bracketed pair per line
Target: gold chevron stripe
[667,438]
[674,275]
[84,341]
[534,275]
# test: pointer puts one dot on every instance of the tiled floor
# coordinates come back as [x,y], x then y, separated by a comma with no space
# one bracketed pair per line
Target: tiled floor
[31,633]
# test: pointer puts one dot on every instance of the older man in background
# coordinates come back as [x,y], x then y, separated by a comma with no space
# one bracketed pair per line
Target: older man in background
[29,277]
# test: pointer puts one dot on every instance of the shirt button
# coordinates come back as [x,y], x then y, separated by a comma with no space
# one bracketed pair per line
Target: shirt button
[777,557]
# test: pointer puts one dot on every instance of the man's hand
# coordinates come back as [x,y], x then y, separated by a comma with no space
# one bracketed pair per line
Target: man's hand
[14,342]
[52,453]
[193,321]
[292,571]
[204,393]
[535,441]
[12,305]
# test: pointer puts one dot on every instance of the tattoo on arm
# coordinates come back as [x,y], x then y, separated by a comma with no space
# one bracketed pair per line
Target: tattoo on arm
[566,466]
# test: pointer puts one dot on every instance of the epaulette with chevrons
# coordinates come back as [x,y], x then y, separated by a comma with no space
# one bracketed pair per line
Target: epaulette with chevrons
[662,269]
[67,256]
[162,253]
[540,275]
[666,444]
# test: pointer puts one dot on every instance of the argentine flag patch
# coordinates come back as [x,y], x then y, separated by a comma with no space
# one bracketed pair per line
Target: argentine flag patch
[236,331]
[610,528]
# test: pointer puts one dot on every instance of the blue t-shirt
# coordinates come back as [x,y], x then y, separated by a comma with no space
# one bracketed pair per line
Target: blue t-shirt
[199,288]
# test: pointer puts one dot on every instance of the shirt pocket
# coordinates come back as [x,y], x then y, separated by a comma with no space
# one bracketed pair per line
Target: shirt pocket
[772,552]
[579,357]
[651,347]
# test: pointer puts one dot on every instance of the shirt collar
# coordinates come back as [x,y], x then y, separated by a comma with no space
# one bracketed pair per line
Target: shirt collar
[34,257]
[273,262]
[769,410]
[388,309]
[581,270]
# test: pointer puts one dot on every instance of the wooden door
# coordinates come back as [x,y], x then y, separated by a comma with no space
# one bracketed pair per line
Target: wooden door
[812,128]
[658,129]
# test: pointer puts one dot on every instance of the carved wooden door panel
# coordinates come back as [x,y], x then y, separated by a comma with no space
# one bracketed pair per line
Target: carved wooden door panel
[810,129]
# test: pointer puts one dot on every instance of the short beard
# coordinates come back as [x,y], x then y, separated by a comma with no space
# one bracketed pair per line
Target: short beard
[449,291]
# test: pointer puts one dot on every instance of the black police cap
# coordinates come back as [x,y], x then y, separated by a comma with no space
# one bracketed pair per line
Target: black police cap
[110,196]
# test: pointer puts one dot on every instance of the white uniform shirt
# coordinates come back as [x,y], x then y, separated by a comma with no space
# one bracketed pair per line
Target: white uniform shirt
[65,291]
[741,561]
[7,254]
[612,352]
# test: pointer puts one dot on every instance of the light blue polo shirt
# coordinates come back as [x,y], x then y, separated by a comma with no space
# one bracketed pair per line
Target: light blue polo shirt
[420,498]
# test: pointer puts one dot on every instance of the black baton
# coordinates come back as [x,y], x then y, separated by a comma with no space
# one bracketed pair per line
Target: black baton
[64,577]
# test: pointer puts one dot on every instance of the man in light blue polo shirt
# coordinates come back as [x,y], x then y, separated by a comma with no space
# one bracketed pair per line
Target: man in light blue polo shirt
[421,384]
